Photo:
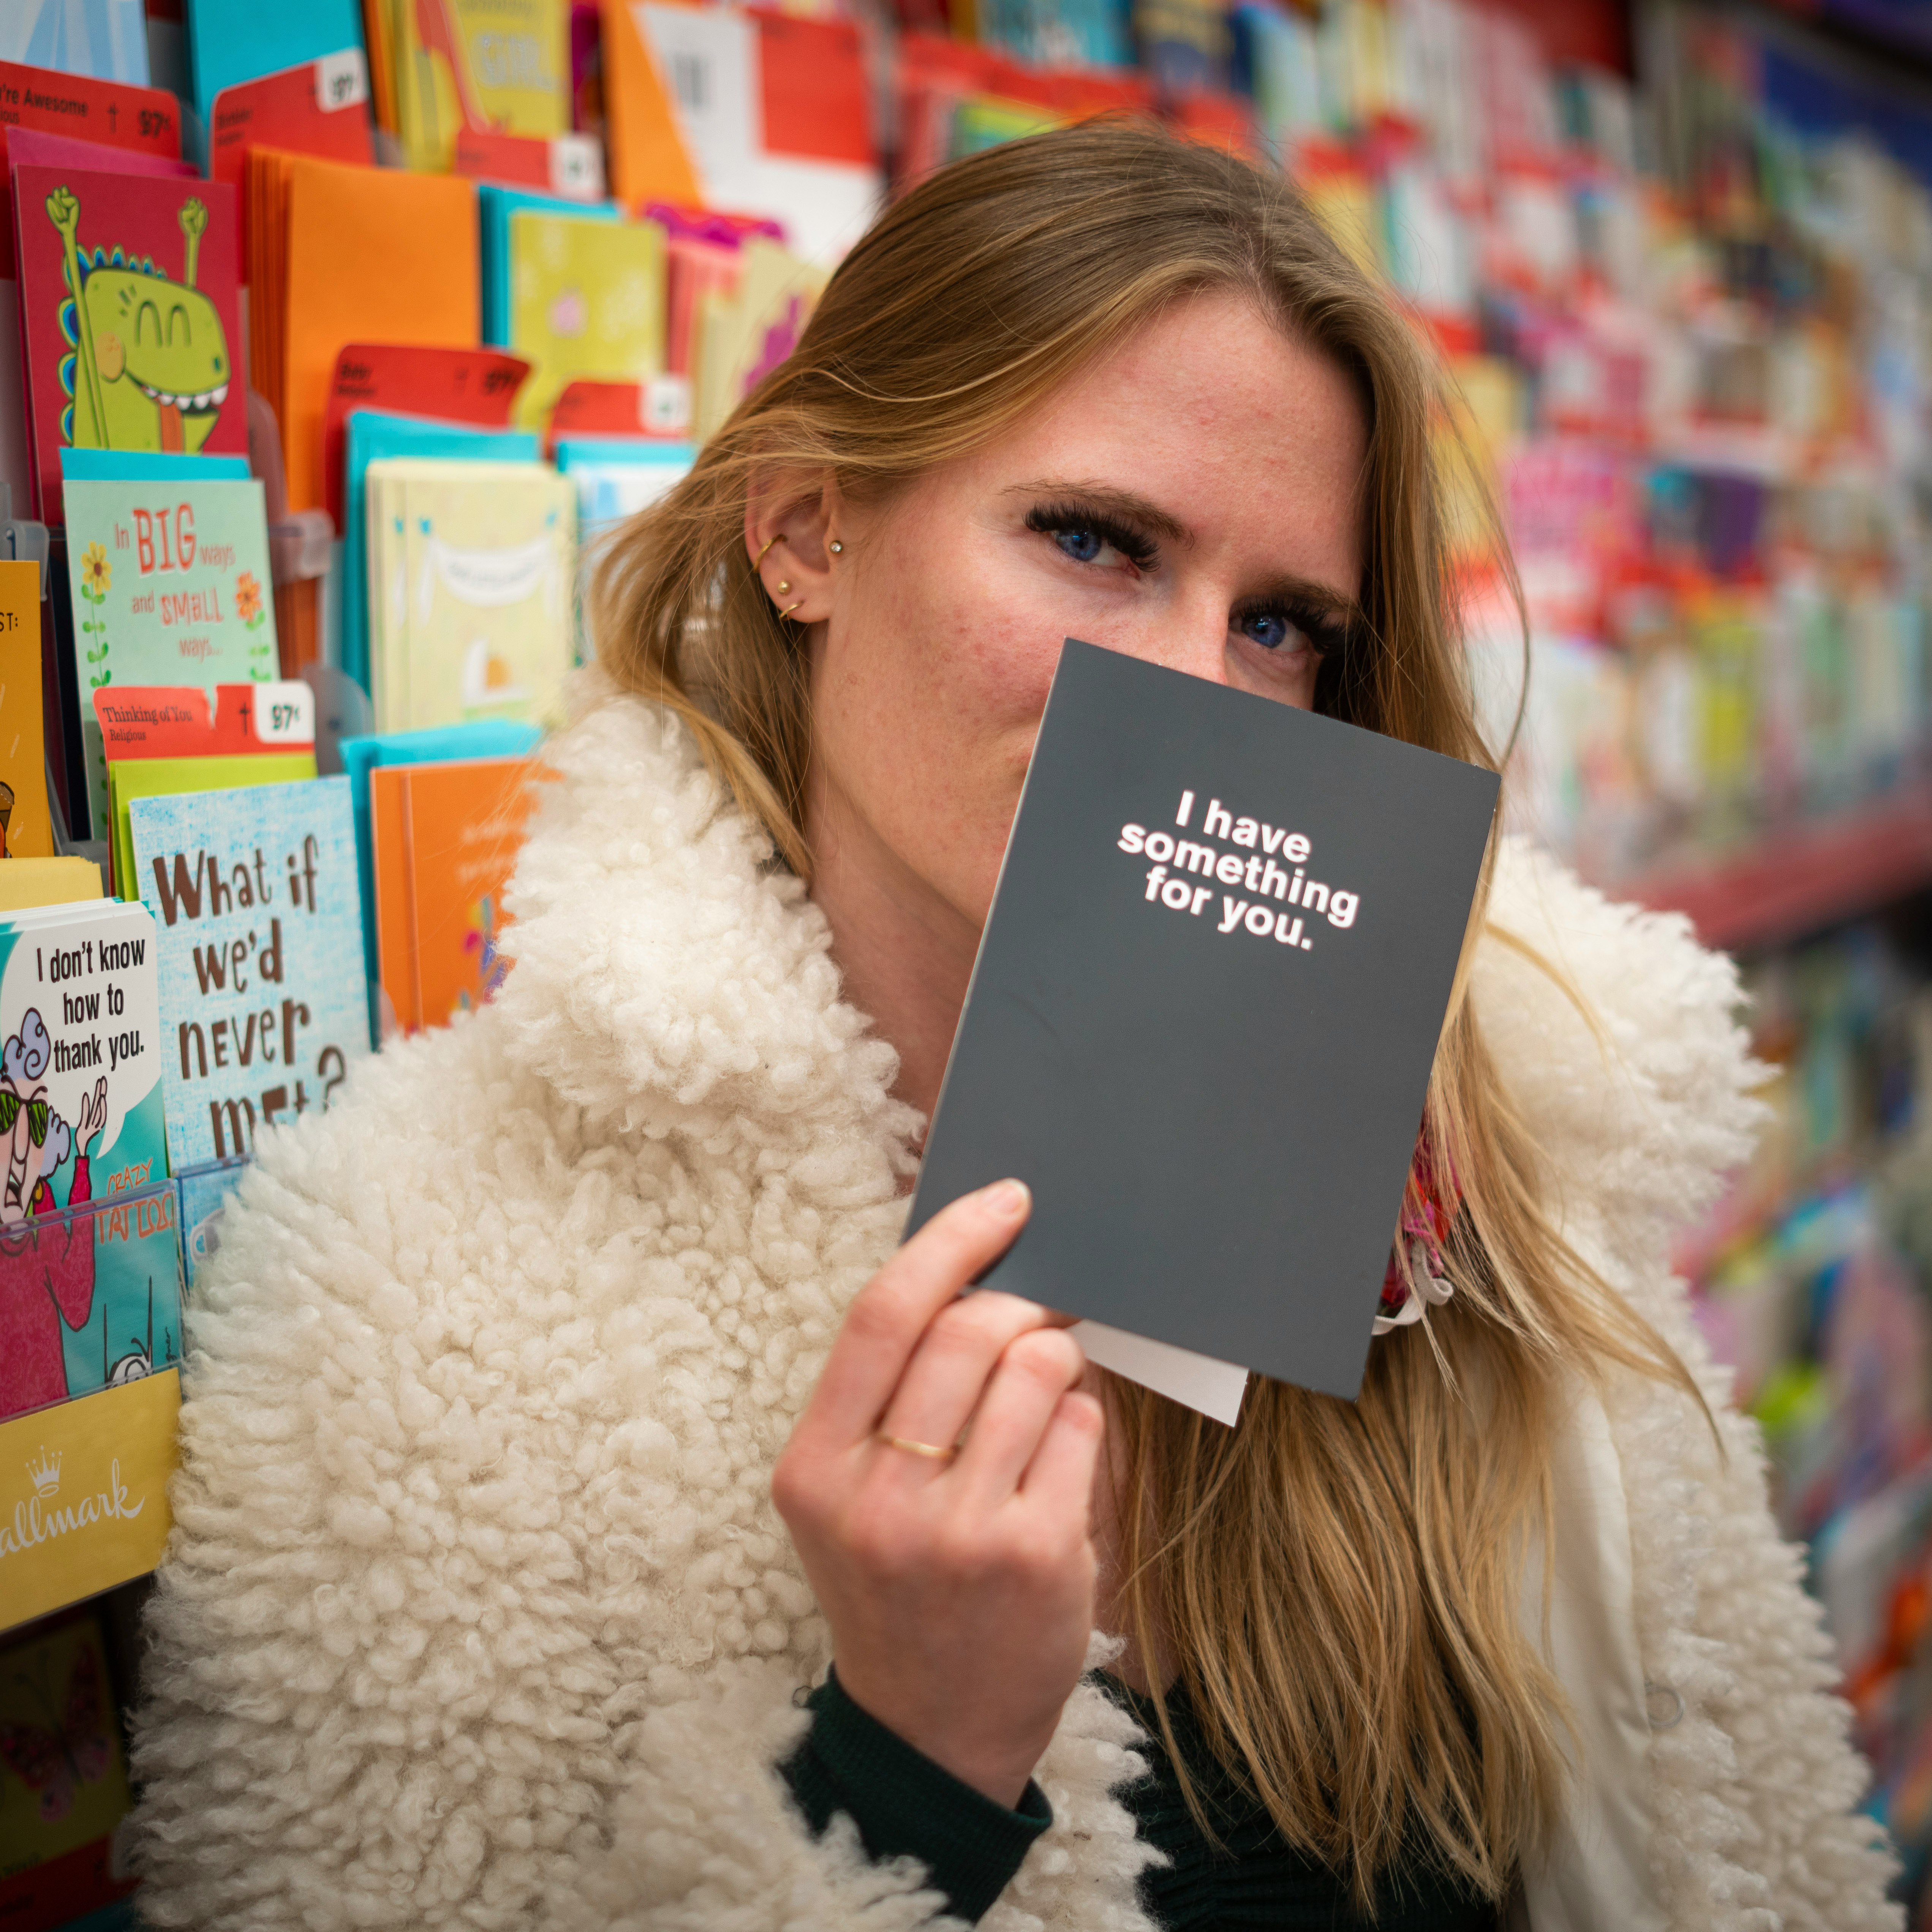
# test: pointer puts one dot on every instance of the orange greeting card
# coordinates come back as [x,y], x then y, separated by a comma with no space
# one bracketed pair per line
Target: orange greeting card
[339,254]
[445,839]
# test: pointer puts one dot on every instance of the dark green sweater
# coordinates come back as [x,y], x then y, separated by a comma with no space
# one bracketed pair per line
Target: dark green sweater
[902,1802]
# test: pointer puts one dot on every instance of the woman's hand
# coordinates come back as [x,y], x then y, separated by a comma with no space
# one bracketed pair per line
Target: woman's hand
[960,1592]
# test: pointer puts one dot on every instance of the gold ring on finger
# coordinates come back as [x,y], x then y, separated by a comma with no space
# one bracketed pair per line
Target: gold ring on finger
[930,1451]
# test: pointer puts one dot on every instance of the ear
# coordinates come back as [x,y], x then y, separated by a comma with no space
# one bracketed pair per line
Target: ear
[791,536]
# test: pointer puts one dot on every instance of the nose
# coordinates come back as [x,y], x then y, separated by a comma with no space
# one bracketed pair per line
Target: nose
[1191,635]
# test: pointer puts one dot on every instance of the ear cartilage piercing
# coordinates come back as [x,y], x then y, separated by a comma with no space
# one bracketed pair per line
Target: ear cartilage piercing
[838,548]
[768,541]
[790,608]
[784,584]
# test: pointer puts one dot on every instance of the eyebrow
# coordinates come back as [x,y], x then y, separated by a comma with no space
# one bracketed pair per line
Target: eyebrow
[1285,588]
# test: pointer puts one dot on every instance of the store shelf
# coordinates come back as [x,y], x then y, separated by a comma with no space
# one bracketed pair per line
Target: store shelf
[1802,880]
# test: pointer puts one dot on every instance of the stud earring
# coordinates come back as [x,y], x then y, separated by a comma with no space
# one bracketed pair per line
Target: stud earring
[784,584]
[838,548]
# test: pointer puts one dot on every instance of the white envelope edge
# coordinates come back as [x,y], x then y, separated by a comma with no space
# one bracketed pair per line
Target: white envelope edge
[1215,1388]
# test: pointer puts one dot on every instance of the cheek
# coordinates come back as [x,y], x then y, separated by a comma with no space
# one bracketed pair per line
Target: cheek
[926,700]
[935,668]
[950,639]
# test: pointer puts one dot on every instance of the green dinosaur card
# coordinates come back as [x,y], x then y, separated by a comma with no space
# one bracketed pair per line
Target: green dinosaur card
[130,326]
[170,585]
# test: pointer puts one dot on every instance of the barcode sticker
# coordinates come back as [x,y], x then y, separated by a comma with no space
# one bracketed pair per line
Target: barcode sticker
[577,167]
[690,80]
[664,405]
[341,80]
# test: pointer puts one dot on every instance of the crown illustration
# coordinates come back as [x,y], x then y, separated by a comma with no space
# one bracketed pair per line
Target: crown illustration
[45,1471]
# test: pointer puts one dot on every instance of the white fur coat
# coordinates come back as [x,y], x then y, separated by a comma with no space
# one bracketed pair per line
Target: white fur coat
[477,1612]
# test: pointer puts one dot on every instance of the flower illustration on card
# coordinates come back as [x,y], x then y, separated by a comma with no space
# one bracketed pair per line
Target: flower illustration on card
[96,574]
[253,613]
[569,315]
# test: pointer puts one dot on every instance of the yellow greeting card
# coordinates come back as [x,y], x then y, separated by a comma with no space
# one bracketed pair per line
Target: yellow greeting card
[84,1490]
[586,299]
[490,65]
[45,882]
[472,612]
[25,830]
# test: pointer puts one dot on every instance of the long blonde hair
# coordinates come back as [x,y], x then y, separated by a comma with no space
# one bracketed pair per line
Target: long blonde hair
[1337,1584]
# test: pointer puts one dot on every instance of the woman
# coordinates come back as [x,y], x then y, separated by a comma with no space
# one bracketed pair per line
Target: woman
[480,1611]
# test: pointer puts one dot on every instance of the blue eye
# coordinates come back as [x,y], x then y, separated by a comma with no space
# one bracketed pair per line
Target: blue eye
[1084,535]
[1268,628]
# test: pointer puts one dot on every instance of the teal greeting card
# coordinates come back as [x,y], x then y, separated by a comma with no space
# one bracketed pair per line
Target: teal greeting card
[258,925]
[170,585]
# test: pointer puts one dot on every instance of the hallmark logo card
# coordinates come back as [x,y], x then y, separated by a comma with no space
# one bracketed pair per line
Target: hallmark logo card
[1204,1011]
[170,586]
[258,913]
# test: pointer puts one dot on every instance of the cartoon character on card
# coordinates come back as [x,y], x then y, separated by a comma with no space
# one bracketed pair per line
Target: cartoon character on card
[46,1274]
[150,366]
[36,1140]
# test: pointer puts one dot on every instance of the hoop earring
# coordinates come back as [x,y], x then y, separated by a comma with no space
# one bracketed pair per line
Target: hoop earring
[770,541]
[790,608]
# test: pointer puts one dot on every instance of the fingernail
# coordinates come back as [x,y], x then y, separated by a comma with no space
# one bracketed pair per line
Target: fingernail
[1009,1198]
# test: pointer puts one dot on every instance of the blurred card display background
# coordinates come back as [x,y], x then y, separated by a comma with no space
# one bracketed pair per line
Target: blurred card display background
[501,268]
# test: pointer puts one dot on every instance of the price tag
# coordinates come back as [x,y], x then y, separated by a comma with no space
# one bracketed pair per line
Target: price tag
[577,167]
[341,80]
[664,405]
[284,712]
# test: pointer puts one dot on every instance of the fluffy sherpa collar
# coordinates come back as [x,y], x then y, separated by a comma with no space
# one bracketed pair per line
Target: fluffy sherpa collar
[630,912]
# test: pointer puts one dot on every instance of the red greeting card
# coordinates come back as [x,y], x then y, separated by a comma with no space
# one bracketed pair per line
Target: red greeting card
[569,165]
[146,120]
[321,107]
[170,721]
[129,323]
[129,120]
[469,386]
[28,148]
[659,410]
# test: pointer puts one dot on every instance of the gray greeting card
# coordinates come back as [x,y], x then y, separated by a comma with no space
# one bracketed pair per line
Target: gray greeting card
[1204,1013]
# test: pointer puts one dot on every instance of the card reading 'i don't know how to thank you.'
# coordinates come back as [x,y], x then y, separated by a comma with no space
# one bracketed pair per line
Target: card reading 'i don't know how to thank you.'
[1204,1011]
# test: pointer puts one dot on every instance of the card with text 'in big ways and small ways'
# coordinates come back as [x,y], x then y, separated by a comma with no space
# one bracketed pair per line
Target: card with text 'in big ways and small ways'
[1204,1013]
